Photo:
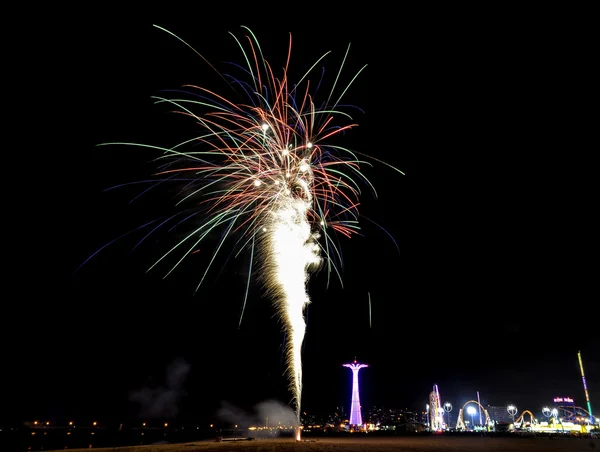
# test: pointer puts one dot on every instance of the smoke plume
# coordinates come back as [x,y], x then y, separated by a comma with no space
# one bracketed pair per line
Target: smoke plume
[270,413]
[163,401]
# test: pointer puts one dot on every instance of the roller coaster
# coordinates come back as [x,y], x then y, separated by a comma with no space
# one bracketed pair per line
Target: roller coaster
[573,413]
[520,421]
[460,423]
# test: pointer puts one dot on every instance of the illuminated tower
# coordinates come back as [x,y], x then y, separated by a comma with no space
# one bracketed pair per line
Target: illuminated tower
[436,411]
[585,389]
[355,416]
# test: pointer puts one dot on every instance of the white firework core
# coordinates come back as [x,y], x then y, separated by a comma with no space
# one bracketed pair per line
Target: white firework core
[293,251]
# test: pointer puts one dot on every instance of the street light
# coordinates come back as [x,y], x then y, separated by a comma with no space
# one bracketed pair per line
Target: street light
[512,410]
[447,409]
[557,419]
[471,410]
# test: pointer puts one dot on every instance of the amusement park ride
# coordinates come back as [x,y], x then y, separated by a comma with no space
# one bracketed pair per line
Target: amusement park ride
[564,417]
[436,411]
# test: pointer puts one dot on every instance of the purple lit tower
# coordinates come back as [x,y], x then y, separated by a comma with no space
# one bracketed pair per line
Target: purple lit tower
[355,416]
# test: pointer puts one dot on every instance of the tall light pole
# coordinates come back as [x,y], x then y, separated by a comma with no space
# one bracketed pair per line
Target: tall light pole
[355,415]
[556,418]
[512,410]
[447,409]
[546,411]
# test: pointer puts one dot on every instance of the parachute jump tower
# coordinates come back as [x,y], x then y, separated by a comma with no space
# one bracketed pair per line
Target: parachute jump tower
[355,416]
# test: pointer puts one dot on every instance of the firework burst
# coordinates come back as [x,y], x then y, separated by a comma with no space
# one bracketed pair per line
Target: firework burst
[268,174]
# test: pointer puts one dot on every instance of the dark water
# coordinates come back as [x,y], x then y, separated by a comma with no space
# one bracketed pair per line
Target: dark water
[25,439]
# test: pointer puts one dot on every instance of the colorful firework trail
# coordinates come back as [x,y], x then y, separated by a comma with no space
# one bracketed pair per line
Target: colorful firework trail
[268,173]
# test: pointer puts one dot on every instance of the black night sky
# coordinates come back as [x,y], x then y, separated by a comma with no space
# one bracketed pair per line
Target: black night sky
[492,287]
